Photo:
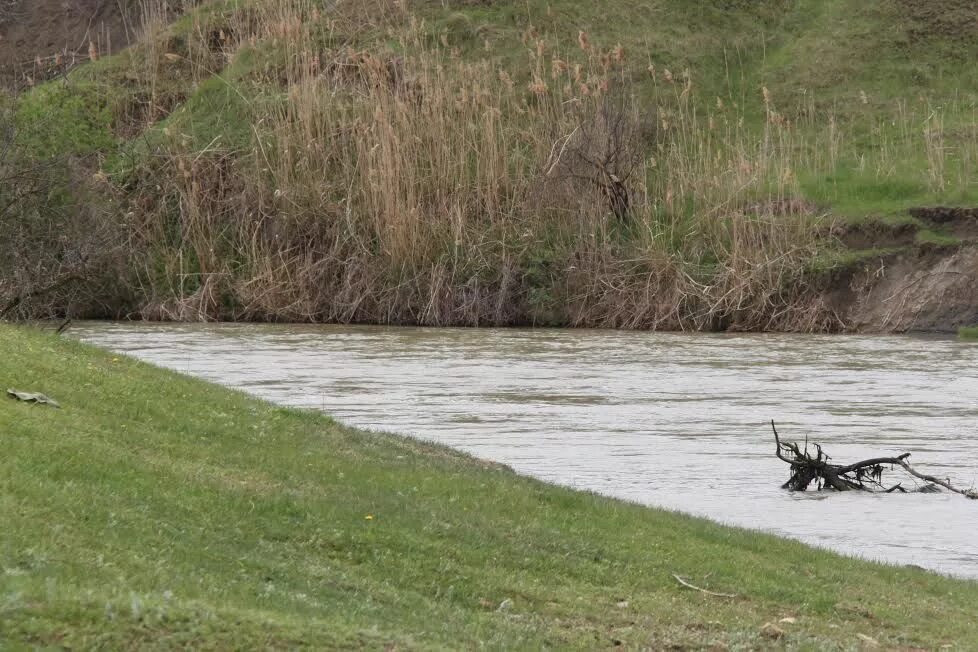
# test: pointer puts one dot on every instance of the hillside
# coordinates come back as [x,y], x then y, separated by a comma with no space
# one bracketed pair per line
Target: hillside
[734,165]
[155,511]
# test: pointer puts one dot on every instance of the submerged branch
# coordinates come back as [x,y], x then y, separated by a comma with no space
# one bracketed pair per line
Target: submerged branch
[866,475]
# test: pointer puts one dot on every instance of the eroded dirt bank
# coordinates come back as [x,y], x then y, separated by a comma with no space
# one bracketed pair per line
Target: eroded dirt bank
[906,278]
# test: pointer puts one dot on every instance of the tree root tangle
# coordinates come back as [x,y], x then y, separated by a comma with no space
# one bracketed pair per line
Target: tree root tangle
[866,475]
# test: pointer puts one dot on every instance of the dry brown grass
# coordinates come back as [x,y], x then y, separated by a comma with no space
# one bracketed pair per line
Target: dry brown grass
[406,184]
[412,186]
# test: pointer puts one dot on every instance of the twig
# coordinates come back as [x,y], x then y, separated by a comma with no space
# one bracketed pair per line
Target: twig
[561,154]
[696,588]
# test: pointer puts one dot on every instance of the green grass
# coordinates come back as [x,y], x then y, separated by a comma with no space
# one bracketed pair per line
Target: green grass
[968,333]
[60,119]
[934,237]
[876,68]
[845,259]
[154,510]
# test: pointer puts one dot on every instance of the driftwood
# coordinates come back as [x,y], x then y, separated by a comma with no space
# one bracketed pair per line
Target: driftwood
[814,467]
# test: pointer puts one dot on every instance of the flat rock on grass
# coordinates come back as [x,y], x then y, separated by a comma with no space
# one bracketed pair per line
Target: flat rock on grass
[31,397]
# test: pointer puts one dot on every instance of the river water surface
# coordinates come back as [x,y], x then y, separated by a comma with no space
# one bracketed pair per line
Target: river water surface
[677,421]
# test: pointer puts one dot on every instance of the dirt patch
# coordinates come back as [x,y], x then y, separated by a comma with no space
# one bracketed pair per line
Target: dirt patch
[874,235]
[38,36]
[910,285]
[960,222]
[945,19]
[924,291]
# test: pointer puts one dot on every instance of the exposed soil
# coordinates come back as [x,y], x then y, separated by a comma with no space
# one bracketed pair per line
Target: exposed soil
[956,20]
[914,287]
[874,234]
[33,33]
[918,291]
[961,222]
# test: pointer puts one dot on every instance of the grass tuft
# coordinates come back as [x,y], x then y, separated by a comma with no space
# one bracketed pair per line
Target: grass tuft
[968,333]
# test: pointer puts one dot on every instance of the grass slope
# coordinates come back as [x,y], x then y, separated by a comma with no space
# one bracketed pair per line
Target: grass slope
[154,510]
[870,66]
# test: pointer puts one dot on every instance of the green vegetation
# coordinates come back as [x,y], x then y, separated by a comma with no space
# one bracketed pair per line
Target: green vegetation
[968,332]
[56,119]
[157,511]
[932,237]
[497,163]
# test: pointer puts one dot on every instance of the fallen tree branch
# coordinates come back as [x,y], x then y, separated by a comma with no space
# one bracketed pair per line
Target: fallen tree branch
[696,588]
[969,493]
[866,475]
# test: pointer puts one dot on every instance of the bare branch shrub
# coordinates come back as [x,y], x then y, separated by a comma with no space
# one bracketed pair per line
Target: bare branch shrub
[602,152]
[56,245]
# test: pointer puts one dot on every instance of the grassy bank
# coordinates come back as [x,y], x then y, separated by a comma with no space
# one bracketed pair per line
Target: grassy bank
[456,163]
[160,511]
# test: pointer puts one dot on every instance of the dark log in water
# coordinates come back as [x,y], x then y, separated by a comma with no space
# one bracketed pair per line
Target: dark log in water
[814,467]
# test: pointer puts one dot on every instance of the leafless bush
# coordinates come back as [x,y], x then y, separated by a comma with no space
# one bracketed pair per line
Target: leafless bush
[602,152]
[55,247]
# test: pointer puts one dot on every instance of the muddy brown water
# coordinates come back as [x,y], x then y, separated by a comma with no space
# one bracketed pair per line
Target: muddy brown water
[677,421]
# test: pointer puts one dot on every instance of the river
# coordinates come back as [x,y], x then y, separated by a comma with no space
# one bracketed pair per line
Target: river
[670,420]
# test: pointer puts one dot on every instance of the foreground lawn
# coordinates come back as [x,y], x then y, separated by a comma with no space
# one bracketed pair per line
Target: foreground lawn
[154,510]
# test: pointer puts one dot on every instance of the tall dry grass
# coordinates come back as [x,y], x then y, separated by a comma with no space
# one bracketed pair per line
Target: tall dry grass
[412,185]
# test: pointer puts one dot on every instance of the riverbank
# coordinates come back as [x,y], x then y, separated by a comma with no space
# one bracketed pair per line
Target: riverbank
[154,509]
[474,164]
